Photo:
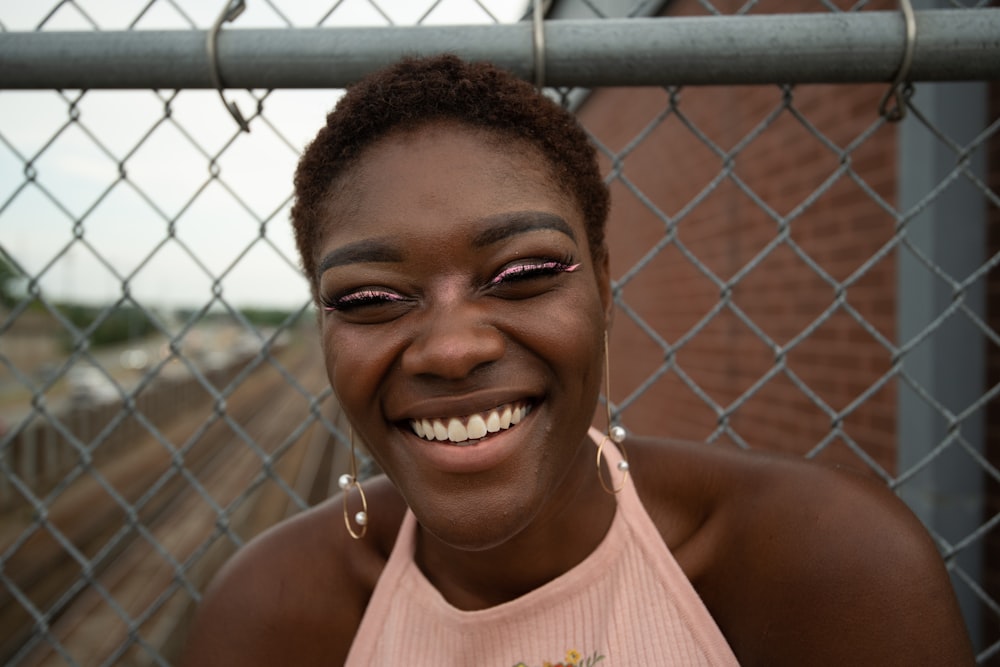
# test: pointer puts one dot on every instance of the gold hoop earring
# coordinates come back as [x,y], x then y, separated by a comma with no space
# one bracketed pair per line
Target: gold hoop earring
[615,434]
[346,482]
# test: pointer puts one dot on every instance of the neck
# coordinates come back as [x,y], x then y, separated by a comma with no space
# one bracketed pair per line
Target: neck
[566,531]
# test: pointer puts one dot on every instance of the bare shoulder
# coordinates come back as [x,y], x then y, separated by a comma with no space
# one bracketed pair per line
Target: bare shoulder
[296,593]
[801,563]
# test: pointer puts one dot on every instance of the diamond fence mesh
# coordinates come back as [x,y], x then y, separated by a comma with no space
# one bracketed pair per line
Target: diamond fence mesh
[792,271]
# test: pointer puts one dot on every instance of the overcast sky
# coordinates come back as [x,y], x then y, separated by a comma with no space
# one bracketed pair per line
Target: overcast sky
[74,166]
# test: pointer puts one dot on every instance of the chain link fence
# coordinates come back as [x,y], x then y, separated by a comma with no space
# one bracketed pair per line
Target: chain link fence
[793,271]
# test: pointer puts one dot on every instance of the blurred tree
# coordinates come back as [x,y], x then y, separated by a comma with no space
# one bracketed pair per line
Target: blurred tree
[9,279]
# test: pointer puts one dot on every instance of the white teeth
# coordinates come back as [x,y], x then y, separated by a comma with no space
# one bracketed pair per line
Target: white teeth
[493,422]
[469,429]
[457,432]
[440,432]
[476,428]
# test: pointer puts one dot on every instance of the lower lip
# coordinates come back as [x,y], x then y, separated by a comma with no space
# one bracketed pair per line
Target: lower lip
[481,456]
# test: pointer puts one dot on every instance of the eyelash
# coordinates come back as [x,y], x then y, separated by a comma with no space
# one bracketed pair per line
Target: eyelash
[375,297]
[364,297]
[528,271]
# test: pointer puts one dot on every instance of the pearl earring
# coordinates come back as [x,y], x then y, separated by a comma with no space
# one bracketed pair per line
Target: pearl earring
[346,482]
[616,433]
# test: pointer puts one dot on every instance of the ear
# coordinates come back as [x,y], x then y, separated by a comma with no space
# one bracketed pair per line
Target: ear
[602,270]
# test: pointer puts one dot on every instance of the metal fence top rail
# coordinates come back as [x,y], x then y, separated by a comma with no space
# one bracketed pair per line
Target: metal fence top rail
[953,45]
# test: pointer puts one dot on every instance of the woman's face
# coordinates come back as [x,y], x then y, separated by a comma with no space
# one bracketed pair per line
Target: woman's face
[462,327]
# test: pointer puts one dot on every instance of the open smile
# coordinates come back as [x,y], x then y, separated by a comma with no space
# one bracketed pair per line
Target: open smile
[468,429]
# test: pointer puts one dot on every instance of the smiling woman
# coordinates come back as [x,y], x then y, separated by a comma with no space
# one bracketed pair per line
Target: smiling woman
[450,221]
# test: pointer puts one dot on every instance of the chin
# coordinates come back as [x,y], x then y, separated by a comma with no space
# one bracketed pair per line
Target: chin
[478,519]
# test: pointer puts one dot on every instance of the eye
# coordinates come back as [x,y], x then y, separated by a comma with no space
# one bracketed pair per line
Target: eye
[531,269]
[366,297]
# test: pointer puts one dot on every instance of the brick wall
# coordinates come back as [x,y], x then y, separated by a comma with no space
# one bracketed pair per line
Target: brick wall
[782,166]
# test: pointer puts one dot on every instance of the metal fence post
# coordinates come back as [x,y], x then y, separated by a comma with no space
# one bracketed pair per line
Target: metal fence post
[950,363]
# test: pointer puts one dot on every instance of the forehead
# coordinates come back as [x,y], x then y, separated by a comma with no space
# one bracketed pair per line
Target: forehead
[443,167]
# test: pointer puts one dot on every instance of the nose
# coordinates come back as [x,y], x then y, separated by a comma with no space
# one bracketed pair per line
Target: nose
[453,343]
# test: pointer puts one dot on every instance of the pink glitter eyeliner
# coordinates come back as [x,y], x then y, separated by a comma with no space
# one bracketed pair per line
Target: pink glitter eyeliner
[365,297]
[529,270]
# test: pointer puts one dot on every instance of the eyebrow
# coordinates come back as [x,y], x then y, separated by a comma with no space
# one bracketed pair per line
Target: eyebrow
[504,225]
[368,250]
[496,228]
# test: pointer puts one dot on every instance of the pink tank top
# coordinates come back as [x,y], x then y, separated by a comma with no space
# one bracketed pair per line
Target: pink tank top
[628,603]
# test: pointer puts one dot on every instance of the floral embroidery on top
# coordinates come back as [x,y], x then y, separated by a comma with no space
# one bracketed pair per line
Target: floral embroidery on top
[573,659]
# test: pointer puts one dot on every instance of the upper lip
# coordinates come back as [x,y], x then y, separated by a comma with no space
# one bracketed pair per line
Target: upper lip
[459,406]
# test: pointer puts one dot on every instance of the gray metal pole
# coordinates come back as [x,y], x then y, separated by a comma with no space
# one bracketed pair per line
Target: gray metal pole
[950,231]
[955,45]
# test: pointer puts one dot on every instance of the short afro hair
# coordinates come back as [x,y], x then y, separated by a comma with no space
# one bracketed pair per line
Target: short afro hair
[418,91]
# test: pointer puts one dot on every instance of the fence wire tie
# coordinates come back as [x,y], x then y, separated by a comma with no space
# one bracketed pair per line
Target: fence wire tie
[900,91]
[230,13]
[538,40]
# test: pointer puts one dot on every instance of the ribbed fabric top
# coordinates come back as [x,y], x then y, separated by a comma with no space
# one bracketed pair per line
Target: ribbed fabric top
[628,603]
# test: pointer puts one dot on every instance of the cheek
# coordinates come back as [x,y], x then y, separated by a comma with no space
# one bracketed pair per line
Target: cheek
[570,336]
[351,366]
